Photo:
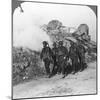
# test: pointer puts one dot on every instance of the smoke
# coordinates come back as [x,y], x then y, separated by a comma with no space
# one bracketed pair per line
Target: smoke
[27,32]
[26,26]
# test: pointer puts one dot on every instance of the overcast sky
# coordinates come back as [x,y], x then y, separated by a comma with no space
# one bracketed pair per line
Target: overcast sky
[27,24]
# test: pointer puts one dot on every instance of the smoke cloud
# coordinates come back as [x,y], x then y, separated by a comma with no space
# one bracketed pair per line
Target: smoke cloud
[27,31]
[26,26]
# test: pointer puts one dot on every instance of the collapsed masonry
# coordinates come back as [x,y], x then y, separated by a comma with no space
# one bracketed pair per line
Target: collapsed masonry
[57,31]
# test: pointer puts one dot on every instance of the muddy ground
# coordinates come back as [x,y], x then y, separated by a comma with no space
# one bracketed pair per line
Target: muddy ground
[80,83]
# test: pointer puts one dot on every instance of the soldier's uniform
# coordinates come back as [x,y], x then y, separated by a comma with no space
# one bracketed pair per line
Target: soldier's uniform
[74,57]
[81,55]
[62,58]
[54,56]
[46,55]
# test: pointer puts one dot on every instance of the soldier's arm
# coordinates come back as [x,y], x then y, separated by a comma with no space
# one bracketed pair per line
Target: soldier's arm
[65,52]
[77,50]
[51,51]
[84,50]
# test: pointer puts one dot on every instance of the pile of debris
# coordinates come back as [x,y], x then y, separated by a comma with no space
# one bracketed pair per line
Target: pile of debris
[57,31]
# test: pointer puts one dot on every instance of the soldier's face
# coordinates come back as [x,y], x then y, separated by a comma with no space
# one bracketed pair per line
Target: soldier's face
[44,45]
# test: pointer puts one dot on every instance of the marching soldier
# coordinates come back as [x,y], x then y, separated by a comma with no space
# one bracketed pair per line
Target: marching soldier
[74,57]
[81,55]
[46,55]
[54,51]
[62,58]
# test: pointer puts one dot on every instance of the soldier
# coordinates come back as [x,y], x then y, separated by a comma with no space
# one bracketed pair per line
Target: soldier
[74,57]
[62,57]
[46,55]
[54,56]
[81,55]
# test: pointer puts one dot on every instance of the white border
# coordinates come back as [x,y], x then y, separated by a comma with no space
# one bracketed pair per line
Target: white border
[5,49]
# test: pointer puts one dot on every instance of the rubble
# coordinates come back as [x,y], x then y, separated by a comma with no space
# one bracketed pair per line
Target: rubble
[56,30]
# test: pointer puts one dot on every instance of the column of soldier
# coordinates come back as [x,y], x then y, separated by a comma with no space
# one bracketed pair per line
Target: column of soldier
[64,60]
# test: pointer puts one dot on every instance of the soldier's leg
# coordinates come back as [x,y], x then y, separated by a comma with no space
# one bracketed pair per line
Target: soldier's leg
[66,68]
[59,68]
[84,65]
[76,67]
[80,63]
[47,64]
[52,73]
[73,65]
[76,64]
[54,66]
[59,63]
[71,68]
[70,65]
[53,70]
[63,68]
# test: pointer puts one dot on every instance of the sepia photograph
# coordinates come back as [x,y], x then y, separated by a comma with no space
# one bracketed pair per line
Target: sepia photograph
[54,49]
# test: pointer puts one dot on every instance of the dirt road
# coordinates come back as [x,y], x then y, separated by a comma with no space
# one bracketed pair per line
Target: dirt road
[80,83]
